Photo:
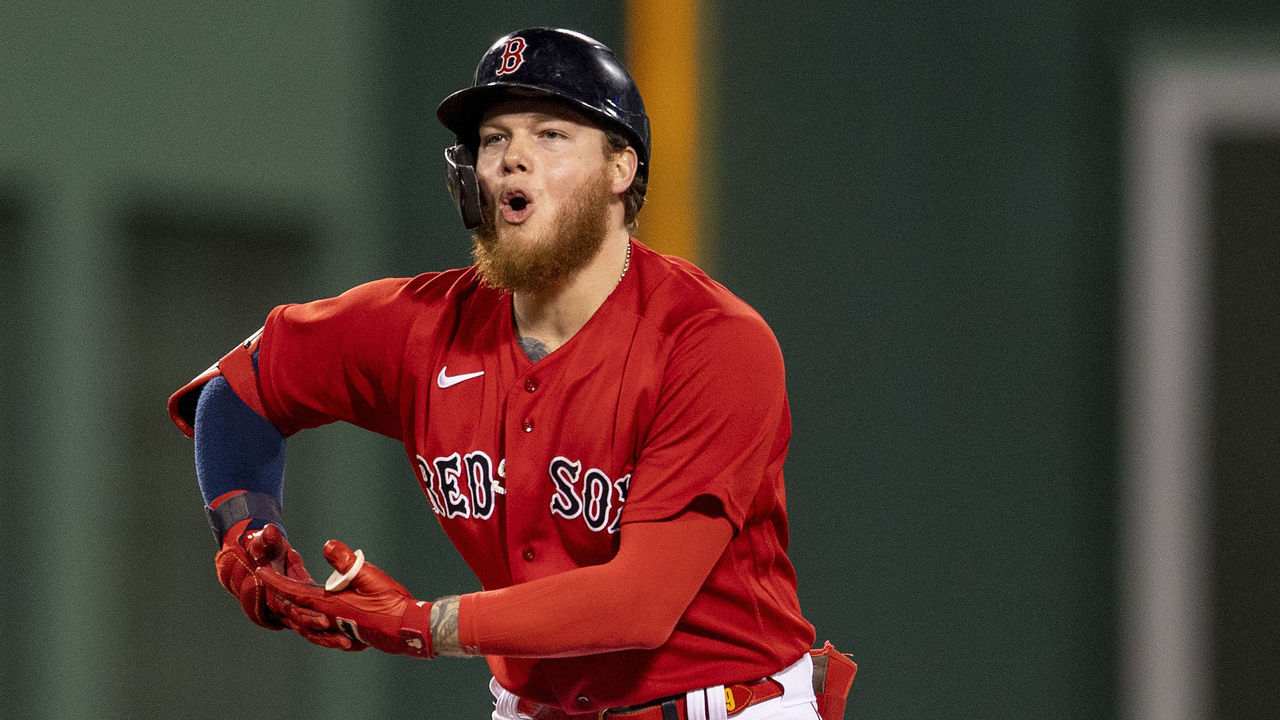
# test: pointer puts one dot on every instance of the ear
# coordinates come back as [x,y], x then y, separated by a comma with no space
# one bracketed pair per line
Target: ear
[623,164]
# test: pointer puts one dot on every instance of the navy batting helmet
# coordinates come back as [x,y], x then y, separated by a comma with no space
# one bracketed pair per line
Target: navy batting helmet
[541,62]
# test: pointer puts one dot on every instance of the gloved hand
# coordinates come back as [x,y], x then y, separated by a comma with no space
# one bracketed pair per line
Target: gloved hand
[244,554]
[372,610]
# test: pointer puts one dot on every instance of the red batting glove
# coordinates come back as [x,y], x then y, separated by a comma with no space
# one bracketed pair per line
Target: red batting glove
[243,556]
[237,571]
[372,610]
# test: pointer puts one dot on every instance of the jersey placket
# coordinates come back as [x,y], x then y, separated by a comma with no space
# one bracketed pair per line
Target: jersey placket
[525,441]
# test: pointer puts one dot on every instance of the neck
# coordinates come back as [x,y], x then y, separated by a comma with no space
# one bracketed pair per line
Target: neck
[553,316]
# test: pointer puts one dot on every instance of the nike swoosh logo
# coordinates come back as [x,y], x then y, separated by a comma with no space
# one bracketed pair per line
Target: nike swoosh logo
[445,380]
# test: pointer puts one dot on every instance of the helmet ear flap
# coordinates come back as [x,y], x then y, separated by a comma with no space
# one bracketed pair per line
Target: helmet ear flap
[464,186]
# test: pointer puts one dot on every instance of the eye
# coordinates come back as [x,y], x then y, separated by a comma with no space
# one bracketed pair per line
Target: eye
[491,139]
[553,135]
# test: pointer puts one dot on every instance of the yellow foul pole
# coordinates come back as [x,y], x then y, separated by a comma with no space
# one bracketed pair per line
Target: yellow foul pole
[663,54]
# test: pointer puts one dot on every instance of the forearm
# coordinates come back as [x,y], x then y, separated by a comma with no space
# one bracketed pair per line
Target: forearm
[235,447]
[444,628]
[592,609]
[582,614]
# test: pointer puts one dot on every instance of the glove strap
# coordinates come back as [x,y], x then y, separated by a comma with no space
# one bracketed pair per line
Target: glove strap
[260,506]
[415,630]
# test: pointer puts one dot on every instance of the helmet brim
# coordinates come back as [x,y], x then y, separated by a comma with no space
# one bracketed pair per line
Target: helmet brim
[462,111]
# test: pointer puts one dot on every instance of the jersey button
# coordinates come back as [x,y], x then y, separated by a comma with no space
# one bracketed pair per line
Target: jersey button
[530,385]
[529,554]
[527,425]
[583,700]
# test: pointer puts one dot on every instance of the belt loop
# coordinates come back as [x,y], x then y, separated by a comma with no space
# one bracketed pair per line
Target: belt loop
[670,711]
[695,705]
[717,707]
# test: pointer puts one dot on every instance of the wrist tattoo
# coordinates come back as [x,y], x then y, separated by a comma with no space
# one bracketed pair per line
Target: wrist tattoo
[444,628]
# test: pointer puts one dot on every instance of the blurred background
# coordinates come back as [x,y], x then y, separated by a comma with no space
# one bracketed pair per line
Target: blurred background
[1021,258]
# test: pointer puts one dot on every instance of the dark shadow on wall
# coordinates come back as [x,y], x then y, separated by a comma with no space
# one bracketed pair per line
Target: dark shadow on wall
[200,276]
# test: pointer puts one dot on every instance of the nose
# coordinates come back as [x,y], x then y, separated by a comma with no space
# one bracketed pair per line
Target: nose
[515,156]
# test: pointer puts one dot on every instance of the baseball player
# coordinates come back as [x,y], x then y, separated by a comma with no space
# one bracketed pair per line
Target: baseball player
[599,429]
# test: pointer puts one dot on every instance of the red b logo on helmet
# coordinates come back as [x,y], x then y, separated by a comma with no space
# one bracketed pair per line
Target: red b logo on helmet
[512,56]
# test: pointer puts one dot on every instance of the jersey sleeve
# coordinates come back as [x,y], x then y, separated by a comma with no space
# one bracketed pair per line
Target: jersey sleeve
[337,359]
[721,425]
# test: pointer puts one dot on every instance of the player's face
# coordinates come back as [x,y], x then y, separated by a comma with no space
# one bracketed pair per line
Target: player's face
[553,194]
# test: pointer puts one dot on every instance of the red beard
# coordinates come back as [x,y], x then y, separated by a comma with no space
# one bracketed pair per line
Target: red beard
[544,263]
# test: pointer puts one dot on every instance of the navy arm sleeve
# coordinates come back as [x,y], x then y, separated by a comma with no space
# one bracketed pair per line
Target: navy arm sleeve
[236,448]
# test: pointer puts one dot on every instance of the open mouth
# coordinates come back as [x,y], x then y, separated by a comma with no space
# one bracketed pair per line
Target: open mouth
[515,205]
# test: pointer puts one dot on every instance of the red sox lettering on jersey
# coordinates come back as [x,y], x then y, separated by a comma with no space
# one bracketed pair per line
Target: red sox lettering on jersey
[466,486]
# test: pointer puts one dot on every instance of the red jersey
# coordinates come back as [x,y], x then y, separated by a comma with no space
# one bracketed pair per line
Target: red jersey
[674,391]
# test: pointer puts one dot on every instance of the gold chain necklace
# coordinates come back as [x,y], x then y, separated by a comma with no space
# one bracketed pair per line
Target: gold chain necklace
[626,264]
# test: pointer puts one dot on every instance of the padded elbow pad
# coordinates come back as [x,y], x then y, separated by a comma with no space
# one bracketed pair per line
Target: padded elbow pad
[238,367]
